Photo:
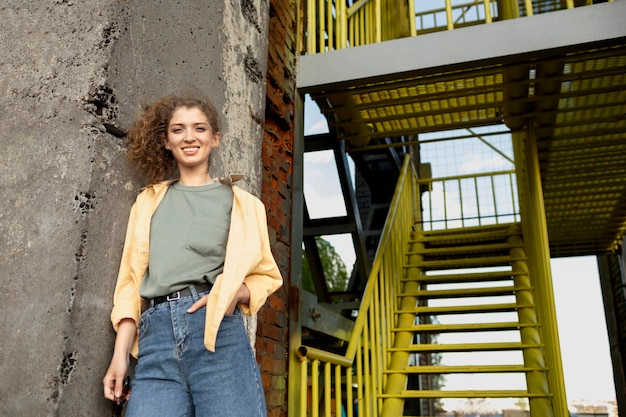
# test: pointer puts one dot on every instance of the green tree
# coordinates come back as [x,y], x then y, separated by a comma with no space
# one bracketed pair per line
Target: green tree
[332,265]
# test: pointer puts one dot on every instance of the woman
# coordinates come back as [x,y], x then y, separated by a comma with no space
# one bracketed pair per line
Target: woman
[196,256]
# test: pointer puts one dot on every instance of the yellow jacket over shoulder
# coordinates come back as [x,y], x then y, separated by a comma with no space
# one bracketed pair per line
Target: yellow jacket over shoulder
[249,260]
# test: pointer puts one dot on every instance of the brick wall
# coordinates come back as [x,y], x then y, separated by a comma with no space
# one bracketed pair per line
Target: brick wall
[277,158]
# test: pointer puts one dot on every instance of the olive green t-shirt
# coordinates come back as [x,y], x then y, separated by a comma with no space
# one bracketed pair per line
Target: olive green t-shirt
[188,235]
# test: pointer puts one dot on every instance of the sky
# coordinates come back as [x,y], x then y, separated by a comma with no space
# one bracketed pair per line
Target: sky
[579,306]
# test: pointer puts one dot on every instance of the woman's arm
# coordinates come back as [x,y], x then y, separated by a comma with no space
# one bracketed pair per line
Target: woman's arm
[126,298]
[114,377]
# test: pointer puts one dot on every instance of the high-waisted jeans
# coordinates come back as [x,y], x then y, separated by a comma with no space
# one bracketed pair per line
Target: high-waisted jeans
[176,376]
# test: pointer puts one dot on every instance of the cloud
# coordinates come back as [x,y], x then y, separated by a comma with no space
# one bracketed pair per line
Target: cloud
[317,127]
[324,203]
[477,163]
[318,158]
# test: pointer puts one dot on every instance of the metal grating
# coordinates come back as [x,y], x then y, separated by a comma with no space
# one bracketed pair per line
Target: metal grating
[583,163]
[423,104]
[581,127]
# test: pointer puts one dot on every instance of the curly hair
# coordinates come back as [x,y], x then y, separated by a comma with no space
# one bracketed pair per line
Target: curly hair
[147,136]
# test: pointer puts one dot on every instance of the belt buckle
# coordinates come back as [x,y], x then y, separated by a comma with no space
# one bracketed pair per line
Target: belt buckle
[173,296]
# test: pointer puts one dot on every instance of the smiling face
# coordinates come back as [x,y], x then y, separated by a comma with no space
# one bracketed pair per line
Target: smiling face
[191,139]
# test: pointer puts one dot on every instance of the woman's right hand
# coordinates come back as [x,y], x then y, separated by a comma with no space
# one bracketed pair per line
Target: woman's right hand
[114,377]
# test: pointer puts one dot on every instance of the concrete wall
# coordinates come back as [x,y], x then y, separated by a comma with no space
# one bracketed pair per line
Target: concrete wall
[72,77]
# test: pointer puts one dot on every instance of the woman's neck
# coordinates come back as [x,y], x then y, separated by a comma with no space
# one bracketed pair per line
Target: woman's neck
[192,179]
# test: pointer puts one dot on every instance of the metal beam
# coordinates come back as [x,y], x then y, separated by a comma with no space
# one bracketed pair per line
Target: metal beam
[499,42]
[323,319]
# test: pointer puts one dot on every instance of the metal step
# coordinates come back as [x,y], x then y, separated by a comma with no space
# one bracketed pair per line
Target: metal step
[464,292]
[470,309]
[465,347]
[465,369]
[440,251]
[474,262]
[462,278]
[465,327]
[466,234]
[467,394]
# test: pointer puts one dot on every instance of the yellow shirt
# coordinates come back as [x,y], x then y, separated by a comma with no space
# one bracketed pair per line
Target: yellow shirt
[249,260]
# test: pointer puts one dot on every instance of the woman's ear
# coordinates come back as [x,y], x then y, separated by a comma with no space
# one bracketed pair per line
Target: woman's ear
[216,140]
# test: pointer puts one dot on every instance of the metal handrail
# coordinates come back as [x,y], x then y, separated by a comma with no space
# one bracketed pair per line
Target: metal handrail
[478,200]
[358,375]
[332,25]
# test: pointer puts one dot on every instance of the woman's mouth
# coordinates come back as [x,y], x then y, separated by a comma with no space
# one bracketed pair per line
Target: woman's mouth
[191,149]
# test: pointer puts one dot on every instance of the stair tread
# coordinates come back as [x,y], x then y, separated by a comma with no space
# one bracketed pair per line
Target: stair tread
[464,347]
[469,277]
[460,249]
[463,292]
[465,309]
[465,262]
[465,234]
[465,327]
[463,369]
[467,394]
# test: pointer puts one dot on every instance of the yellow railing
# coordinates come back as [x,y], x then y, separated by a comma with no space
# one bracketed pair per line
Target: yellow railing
[356,379]
[469,200]
[455,15]
[331,25]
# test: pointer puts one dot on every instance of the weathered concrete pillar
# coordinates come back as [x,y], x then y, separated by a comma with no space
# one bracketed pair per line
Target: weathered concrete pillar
[72,77]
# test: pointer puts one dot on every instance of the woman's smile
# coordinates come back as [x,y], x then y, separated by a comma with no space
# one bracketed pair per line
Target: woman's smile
[191,149]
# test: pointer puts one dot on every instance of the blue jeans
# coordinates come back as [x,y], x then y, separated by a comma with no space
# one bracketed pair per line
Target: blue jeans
[176,376]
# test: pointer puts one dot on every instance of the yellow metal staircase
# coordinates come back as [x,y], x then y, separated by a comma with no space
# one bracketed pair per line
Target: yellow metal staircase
[442,309]
[482,273]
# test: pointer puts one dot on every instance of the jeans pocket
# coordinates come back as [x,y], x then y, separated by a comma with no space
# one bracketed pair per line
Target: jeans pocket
[144,324]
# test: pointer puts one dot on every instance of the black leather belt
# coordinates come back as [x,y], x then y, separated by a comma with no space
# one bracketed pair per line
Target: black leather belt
[182,293]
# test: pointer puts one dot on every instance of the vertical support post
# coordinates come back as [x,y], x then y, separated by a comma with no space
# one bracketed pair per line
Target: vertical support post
[321,27]
[310,27]
[535,232]
[379,21]
[536,378]
[342,25]
[612,274]
[412,28]
[294,285]
[449,19]
[487,5]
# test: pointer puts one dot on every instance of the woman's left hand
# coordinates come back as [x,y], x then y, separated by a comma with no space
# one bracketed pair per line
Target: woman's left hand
[198,304]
